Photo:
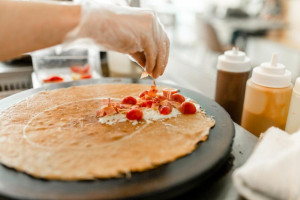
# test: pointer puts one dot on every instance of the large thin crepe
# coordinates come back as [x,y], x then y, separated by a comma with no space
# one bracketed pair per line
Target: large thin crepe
[56,135]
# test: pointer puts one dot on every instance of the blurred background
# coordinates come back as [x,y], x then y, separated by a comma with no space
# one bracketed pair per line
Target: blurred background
[199,31]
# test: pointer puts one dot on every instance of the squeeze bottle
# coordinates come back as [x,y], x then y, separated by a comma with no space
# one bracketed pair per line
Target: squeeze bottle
[233,72]
[293,120]
[267,98]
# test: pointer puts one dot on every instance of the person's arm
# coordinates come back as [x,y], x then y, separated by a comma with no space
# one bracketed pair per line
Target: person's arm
[28,26]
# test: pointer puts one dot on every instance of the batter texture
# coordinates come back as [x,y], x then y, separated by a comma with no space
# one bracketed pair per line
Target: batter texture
[56,135]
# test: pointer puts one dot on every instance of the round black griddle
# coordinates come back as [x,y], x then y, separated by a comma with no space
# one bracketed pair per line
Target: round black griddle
[162,182]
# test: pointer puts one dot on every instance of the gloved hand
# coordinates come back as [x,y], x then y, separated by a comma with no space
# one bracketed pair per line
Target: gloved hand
[133,31]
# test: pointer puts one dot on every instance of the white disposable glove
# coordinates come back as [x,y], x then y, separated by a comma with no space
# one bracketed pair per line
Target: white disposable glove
[133,31]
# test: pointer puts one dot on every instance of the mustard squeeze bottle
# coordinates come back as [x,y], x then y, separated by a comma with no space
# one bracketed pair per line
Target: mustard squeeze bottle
[267,97]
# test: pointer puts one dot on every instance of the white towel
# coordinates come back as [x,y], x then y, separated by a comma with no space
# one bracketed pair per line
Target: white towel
[273,169]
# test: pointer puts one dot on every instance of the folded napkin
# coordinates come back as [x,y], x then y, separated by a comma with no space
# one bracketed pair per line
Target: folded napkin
[273,169]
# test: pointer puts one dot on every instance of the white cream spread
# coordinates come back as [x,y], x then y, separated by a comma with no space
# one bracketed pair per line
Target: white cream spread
[149,115]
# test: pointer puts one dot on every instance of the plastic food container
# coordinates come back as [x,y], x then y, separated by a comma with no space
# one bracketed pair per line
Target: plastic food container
[52,65]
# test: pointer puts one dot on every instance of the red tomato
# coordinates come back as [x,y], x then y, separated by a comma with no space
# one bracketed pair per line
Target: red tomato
[169,91]
[100,113]
[143,94]
[129,100]
[135,114]
[79,69]
[187,108]
[160,97]
[147,104]
[86,68]
[165,110]
[86,76]
[152,92]
[53,79]
[143,104]
[76,68]
[177,97]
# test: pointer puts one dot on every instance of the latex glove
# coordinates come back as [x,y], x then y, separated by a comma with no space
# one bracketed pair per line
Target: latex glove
[133,31]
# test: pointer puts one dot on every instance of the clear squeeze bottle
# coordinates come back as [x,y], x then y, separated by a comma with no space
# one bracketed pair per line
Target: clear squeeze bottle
[293,120]
[267,98]
[233,72]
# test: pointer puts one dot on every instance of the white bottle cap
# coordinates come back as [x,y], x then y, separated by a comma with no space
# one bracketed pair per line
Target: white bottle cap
[272,74]
[234,61]
[297,86]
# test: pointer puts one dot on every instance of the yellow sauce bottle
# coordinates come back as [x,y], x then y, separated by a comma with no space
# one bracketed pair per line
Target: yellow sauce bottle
[267,97]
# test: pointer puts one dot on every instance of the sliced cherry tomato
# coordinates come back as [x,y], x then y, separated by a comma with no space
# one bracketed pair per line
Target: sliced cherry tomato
[147,97]
[169,91]
[160,97]
[135,114]
[76,68]
[187,108]
[100,113]
[129,100]
[106,110]
[143,104]
[86,76]
[53,79]
[86,68]
[152,91]
[80,70]
[165,110]
[147,104]
[178,98]
[143,94]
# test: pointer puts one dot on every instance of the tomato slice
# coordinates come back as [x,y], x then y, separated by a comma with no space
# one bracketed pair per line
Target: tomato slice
[187,108]
[178,98]
[80,70]
[106,110]
[53,79]
[152,92]
[143,94]
[134,114]
[76,68]
[160,97]
[147,103]
[86,76]
[169,91]
[129,100]
[165,110]
[86,69]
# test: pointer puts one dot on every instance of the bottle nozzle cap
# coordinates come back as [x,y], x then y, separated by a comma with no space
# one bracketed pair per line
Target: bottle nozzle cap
[235,55]
[235,50]
[234,61]
[272,74]
[274,60]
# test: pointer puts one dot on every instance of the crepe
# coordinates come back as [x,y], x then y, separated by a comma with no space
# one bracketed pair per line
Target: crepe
[56,135]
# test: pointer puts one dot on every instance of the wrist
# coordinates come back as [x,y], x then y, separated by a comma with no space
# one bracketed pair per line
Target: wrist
[71,19]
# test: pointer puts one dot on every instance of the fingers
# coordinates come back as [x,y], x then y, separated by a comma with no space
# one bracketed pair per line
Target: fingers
[167,56]
[162,58]
[139,57]
[150,55]
[155,46]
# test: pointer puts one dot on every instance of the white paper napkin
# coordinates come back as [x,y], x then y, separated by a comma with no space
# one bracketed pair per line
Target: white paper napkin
[273,169]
